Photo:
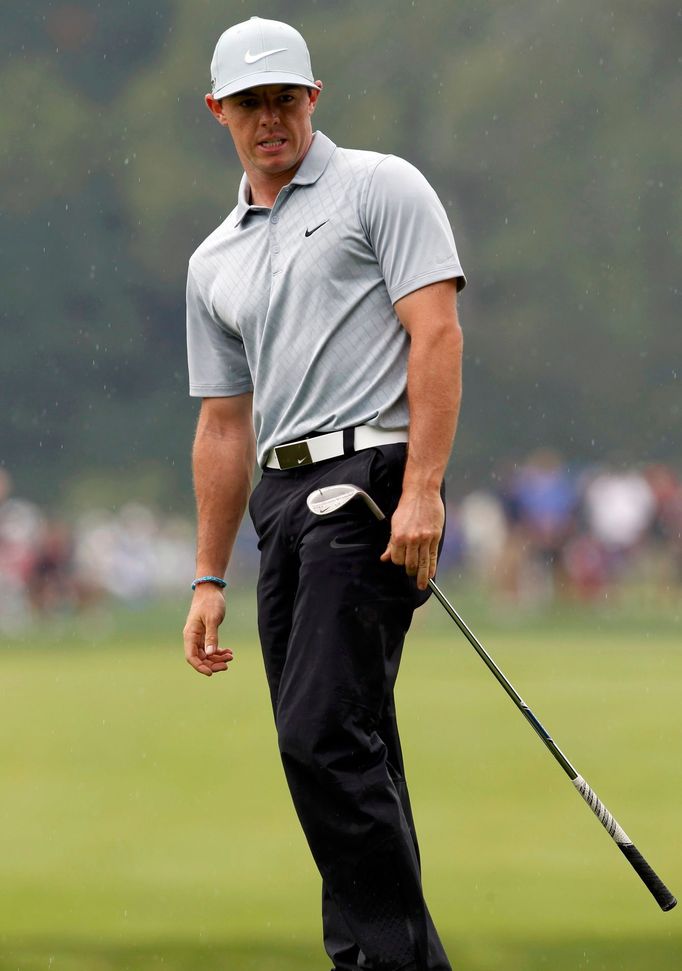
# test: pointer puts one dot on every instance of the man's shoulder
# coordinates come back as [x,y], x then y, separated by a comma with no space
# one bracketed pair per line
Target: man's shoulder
[358,161]
[371,166]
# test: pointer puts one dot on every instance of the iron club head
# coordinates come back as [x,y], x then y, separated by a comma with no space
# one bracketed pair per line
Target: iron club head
[328,499]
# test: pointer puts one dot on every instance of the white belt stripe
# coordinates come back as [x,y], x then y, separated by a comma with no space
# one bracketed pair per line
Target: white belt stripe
[331,445]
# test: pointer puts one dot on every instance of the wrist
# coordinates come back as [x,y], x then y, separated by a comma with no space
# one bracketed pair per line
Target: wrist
[422,483]
[208,580]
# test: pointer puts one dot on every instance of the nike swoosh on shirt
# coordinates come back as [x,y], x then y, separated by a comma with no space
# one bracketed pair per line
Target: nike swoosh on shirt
[309,232]
[335,545]
[252,58]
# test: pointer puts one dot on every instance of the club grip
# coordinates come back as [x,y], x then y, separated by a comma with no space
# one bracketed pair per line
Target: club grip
[663,897]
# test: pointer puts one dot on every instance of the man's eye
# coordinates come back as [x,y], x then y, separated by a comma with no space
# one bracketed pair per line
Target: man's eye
[286,98]
[248,103]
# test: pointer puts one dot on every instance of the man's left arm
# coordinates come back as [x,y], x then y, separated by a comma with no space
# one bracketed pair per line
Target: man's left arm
[434,390]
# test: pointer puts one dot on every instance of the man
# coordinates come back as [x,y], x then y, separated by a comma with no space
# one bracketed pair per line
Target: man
[321,313]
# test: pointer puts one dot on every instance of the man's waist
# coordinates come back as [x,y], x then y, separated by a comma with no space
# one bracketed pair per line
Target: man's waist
[330,445]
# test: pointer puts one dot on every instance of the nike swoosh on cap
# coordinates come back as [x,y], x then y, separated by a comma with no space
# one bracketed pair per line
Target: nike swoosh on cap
[252,58]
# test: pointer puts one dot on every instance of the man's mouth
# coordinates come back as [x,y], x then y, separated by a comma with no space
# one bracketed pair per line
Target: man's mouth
[272,143]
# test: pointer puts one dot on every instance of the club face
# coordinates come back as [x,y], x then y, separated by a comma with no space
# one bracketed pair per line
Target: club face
[323,501]
[328,499]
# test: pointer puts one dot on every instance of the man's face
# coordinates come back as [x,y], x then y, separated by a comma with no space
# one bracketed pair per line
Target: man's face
[270,125]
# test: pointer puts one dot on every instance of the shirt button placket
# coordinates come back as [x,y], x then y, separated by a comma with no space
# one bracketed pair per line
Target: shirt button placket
[274,244]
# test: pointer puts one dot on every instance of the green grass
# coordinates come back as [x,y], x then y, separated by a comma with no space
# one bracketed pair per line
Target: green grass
[144,821]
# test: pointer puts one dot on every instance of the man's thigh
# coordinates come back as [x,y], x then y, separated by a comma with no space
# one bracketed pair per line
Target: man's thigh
[332,616]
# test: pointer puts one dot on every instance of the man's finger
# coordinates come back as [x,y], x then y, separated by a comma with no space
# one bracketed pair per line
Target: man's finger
[218,666]
[412,559]
[193,643]
[211,640]
[217,661]
[199,665]
[209,665]
[394,553]
[424,563]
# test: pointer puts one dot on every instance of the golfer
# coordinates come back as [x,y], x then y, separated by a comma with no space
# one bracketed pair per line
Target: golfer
[323,341]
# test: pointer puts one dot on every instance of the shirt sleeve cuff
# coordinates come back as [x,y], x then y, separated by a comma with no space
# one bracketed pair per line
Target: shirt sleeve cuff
[448,272]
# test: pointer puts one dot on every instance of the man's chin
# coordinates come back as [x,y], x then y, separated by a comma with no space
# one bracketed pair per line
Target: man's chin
[278,164]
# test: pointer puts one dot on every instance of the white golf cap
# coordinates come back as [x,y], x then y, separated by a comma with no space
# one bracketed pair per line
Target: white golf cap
[259,52]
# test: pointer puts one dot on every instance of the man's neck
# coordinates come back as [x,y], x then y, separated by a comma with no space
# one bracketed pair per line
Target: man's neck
[264,192]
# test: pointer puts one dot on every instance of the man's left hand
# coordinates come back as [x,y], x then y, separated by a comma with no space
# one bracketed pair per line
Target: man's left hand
[416,529]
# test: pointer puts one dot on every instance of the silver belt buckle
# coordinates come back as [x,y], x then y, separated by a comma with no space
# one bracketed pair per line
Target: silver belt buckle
[294,455]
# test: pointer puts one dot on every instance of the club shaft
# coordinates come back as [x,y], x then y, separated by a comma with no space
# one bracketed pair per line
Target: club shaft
[535,723]
[662,895]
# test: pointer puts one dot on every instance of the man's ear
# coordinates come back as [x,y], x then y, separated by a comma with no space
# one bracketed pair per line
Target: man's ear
[216,109]
[314,95]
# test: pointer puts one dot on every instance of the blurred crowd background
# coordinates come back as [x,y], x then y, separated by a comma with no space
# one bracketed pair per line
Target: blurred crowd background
[545,532]
[552,148]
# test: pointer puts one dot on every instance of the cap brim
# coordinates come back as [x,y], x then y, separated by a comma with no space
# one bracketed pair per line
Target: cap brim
[266,77]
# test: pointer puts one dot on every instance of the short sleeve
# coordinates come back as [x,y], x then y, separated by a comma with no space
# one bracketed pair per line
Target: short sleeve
[408,229]
[216,358]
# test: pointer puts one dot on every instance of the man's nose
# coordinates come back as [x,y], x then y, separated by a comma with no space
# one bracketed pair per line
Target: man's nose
[269,113]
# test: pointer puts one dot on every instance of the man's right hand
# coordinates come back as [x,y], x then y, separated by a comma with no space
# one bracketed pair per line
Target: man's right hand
[201,631]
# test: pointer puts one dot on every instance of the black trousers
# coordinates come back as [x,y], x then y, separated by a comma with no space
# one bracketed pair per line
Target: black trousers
[332,620]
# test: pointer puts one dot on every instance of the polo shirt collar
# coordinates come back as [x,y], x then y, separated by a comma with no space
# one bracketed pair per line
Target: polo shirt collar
[315,160]
[309,171]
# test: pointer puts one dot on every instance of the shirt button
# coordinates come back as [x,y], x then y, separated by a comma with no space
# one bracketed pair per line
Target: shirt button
[274,219]
[275,249]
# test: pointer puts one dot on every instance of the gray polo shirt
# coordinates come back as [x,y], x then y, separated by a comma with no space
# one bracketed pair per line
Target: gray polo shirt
[295,303]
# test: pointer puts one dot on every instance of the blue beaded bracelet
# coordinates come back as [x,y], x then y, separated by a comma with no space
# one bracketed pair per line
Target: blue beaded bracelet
[217,580]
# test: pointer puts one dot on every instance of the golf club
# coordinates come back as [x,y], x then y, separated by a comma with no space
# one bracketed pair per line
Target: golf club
[329,499]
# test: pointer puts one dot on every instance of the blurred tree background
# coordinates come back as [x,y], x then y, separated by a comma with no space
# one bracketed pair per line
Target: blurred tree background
[547,129]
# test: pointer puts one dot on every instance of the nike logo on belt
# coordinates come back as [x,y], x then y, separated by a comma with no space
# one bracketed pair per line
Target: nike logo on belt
[252,58]
[309,232]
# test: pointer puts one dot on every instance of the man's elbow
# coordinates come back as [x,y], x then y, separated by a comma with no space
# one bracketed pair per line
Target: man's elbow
[446,334]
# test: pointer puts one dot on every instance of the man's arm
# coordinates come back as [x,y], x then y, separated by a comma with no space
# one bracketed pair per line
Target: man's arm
[434,390]
[223,458]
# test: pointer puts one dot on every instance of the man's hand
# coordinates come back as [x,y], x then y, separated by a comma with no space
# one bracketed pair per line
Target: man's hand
[201,631]
[416,529]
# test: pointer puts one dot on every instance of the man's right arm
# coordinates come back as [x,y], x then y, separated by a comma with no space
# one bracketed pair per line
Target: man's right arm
[223,459]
